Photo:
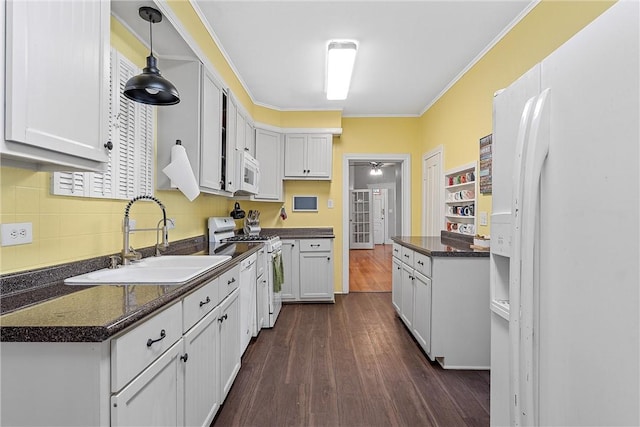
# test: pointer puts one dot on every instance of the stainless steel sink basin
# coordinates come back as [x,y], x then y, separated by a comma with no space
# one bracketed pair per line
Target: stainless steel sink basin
[169,269]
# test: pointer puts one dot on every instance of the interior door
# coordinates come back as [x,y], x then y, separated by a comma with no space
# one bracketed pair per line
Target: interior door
[378,211]
[361,233]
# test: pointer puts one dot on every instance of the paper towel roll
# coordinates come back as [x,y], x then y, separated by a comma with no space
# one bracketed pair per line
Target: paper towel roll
[181,173]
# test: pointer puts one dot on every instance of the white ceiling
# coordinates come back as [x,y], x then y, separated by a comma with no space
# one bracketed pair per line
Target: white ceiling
[409,51]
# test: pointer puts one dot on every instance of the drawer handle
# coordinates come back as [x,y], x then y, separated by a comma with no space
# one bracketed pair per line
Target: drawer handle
[233,279]
[207,301]
[420,262]
[163,334]
[406,256]
[185,357]
[315,246]
[223,318]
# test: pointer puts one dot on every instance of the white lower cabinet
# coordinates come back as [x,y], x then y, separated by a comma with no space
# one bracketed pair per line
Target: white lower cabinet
[443,301]
[173,369]
[155,396]
[229,320]
[422,311]
[308,270]
[407,298]
[396,284]
[201,370]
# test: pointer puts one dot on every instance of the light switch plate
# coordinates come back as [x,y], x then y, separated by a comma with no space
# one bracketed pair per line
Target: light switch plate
[16,234]
[483,218]
[330,203]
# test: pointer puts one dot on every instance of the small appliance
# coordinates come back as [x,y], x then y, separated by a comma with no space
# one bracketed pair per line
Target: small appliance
[249,178]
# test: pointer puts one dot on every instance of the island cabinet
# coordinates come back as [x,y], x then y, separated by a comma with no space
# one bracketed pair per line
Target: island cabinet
[56,86]
[308,270]
[442,299]
[174,368]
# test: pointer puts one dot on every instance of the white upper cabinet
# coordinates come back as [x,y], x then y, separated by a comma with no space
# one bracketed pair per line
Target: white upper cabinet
[308,156]
[57,88]
[197,122]
[269,155]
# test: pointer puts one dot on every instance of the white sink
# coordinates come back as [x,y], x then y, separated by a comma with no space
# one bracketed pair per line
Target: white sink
[169,269]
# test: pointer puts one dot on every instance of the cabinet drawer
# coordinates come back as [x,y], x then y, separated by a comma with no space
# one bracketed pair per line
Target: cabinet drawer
[198,304]
[138,348]
[229,281]
[422,263]
[397,250]
[320,245]
[407,255]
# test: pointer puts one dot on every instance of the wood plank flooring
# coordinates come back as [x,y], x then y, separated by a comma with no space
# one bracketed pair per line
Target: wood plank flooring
[352,363]
[370,269]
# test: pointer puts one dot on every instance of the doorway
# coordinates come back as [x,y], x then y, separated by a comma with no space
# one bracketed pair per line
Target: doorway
[399,215]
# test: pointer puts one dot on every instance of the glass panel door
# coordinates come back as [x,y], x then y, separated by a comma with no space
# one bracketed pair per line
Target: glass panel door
[361,220]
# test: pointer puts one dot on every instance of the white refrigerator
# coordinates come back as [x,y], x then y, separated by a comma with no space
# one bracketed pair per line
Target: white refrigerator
[565,301]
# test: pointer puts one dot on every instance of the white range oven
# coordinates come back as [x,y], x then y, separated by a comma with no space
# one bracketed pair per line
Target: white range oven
[221,241]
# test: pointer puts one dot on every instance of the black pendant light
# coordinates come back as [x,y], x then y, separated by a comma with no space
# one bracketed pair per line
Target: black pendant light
[150,87]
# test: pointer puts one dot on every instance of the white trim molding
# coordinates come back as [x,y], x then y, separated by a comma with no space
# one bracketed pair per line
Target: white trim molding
[405,170]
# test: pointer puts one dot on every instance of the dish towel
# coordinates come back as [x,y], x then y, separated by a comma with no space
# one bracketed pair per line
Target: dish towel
[278,273]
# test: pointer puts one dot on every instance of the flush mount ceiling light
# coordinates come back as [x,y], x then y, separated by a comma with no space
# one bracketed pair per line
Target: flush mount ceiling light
[150,87]
[341,55]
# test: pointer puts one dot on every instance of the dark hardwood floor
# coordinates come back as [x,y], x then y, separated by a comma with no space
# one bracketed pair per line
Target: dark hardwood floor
[370,269]
[351,363]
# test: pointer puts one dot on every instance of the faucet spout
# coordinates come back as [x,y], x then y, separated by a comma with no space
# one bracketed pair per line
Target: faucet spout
[128,253]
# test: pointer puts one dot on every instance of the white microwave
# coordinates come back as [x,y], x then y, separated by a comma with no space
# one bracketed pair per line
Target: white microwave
[249,174]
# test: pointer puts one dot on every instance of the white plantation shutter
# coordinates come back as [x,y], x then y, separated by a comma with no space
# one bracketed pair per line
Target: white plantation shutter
[129,172]
[69,184]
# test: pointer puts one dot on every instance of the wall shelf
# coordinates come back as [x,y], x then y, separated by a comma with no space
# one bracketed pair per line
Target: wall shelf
[461,188]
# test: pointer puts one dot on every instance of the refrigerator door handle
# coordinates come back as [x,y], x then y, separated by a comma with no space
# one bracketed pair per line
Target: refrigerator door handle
[537,151]
[515,261]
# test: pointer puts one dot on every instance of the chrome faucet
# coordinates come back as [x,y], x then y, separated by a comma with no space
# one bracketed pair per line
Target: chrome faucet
[128,253]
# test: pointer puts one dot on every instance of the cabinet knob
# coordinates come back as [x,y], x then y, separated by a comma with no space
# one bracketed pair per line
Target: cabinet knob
[184,357]
[328,258]
[109,145]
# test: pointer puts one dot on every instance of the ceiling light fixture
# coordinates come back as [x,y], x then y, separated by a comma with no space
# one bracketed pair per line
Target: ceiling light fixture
[150,87]
[375,168]
[341,55]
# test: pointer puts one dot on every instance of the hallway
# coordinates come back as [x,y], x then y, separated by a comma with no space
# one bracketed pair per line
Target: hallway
[351,363]
[370,269]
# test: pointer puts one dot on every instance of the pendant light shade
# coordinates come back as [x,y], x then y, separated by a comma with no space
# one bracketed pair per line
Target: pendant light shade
[150,87]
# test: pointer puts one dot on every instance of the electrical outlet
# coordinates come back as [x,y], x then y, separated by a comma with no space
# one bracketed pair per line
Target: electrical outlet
[171,223]
[132,224]
[16,234]
[483,218]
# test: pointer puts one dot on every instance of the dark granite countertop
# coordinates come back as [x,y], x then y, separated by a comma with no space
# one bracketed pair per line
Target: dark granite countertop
[300,232]
[445,245]
[49,310]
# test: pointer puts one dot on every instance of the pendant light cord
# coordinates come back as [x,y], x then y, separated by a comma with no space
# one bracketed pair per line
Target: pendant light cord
[151,35]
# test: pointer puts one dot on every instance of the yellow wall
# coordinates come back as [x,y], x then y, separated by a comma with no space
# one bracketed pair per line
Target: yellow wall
[68,229]
[464,114]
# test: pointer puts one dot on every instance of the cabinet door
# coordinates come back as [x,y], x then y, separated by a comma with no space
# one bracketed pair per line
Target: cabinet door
[406,308]
[229,324]
[295,165]
[155,397]
[396,285]
[315,276]
[290,260]
[249,139]
[57,98]
[269,155]
[318,155]
[210,144]
[241,123]
[231,169]
[422,311]
[201,375]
